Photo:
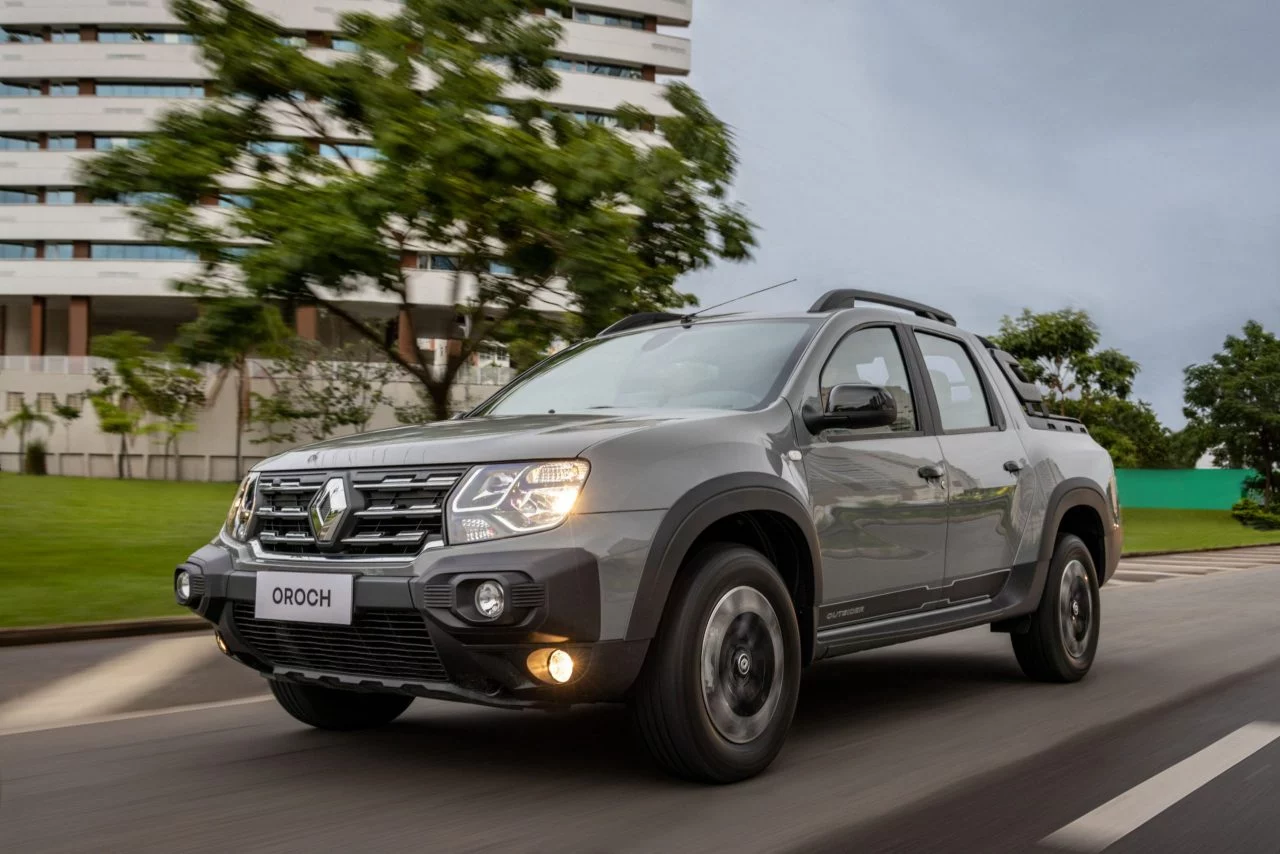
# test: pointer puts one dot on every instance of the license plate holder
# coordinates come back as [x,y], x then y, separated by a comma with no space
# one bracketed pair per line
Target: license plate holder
[304,597]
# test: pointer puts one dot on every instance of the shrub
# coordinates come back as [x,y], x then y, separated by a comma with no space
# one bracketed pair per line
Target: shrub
[37,455]
[1251,514]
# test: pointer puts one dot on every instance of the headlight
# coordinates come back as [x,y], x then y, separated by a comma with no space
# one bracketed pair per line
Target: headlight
[240,516]
[515,498]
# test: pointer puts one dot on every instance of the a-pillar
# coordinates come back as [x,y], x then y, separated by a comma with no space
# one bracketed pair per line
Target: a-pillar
[404,329]
[78,327]
[35,337]
[306,322]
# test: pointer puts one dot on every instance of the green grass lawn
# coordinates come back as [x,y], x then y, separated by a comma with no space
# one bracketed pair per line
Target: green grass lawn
[78,549]
[1152,530]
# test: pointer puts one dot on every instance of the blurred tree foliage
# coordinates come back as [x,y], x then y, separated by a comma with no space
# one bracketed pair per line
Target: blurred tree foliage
[344,169]
[1058,350]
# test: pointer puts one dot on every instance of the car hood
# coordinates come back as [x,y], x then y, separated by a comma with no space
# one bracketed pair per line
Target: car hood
[476,440]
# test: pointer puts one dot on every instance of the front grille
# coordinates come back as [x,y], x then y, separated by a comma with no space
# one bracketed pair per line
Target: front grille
[392,512]
[380,643]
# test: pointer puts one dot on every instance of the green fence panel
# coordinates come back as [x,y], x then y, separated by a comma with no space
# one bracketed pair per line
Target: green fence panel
[1185,489]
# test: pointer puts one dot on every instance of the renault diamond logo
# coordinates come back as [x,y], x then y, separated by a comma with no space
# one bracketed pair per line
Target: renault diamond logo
[328,509]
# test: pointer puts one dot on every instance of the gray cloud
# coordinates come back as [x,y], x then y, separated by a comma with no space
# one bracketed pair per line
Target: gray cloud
[1123,158]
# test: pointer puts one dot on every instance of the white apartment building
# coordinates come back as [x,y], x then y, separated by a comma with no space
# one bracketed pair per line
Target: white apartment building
[83,75]
[79,76]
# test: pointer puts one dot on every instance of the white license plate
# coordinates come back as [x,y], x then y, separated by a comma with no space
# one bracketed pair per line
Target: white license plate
[304,597]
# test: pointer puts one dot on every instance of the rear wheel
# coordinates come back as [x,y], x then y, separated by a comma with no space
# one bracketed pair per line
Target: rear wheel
[331,708]
[1062,639]
[717,693]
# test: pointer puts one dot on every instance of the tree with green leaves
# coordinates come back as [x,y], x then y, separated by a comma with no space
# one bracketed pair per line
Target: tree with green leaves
[227,333]
[172,394]
[115,400]
[23,422]
[1057,350]
[1233,402]
[436,133]
[319,391]
[67,414]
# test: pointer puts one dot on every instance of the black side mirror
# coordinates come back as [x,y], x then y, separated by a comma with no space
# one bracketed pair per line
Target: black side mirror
[853,406]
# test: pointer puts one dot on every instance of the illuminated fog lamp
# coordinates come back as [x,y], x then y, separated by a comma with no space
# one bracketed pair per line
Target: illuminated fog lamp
[491,601]
[222,645]
[560,666]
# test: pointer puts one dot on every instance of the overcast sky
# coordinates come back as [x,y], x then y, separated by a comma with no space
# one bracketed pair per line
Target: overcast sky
[1120,157]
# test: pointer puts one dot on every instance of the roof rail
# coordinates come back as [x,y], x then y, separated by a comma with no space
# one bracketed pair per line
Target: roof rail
[635,321]
[845,298]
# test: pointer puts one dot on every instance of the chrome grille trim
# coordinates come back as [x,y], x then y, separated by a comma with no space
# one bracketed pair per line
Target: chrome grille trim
[394,513]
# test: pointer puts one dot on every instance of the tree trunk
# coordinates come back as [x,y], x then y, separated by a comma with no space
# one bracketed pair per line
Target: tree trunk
[123,458]
[177,459]
[22,451]
[242,390]
[439,401]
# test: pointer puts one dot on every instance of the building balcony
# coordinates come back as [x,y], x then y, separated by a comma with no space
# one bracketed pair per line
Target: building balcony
[669,54]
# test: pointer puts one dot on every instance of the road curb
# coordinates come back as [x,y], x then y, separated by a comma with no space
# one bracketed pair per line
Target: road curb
[27,635]
[1160,552]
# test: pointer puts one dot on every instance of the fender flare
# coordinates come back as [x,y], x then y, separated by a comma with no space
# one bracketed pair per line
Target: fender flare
[692,514]
[1070,493]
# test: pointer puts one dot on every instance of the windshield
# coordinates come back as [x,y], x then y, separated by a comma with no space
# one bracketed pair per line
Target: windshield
[725,365]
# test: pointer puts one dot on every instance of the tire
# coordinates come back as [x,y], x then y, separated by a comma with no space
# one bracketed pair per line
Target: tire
[729,615]
[1062,639]
[331,708]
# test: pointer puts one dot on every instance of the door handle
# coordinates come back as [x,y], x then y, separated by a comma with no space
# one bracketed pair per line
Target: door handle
[1013,466]
[930,472]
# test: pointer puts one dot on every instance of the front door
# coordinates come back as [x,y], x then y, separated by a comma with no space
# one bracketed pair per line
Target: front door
[989,510]
[879,512]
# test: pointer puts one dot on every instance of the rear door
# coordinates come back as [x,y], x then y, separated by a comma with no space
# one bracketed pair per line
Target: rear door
[879,513]
[984,458]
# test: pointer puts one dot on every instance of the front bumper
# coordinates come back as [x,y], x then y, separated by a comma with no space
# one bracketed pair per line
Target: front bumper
[410,636]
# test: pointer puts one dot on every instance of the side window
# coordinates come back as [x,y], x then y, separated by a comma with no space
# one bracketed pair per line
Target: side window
[962,403]
[872,357]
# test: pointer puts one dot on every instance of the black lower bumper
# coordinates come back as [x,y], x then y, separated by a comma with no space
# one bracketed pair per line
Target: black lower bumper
[407,636]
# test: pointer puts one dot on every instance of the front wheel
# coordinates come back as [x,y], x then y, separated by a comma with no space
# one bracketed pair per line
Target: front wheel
[718,691]
[331,708]
[1062,639]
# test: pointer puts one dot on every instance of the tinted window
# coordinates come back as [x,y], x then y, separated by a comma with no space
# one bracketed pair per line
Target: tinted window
[962,402]
[726,365]
[872,357]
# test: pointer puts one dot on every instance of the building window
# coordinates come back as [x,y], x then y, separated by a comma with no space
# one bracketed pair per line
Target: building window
[19,90]
[139,252]
[75,401]
[593,117]
[234,200]
[13,401]
[108,143]
[61,143]
[151,90]
[10,35]
[498,110]
[154,36]
[10,251]
[46,401]
[64,89]
[497,268]
[292,41]
[583,16]
[446,263]
[605,69]
[345,45]
[19,197]
[272,146]
[58,252]
[132,199]
[66,36]
[19,143]
[62,196]
[352,151]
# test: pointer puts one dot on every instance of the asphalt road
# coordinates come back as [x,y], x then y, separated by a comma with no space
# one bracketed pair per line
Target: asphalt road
[939,745]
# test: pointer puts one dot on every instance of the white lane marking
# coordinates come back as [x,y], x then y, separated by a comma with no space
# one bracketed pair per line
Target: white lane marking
[1125,814]
[147,713]
[108,685]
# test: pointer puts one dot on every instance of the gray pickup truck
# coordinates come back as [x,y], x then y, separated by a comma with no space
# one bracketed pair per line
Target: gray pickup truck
[679,514]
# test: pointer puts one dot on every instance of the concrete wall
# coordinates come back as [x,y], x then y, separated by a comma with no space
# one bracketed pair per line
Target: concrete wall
[206,454]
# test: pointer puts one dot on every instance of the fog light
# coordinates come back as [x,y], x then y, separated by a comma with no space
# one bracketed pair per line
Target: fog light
[182,587]
[490,600]
[222,645]
[560,665]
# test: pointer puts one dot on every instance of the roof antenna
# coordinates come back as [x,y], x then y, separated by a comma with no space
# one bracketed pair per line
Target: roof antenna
[691,315]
